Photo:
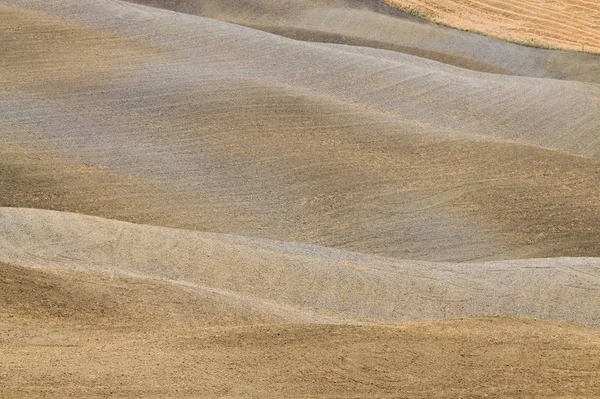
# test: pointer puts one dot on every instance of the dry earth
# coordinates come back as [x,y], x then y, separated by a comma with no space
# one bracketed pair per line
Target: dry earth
[88,335]
[301,283]
[460,358]
[292,199]
[564,24]
[221,128]
[374,24]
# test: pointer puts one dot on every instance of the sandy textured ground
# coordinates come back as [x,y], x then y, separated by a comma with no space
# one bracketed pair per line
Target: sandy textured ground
[84,334]
[308,199]
[468,358]
[301,283]
[564,24]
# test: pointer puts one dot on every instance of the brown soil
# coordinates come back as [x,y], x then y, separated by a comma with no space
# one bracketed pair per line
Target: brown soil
[63,52]
[76,334]
[337,190]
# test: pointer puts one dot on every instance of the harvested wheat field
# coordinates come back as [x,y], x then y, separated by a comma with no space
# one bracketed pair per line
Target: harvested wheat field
[308,199]
[565,24]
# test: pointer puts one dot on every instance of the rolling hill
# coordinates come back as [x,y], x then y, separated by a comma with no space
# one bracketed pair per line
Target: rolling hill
[292,199]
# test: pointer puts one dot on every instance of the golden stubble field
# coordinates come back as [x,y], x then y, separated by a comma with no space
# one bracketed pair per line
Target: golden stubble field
[566,24]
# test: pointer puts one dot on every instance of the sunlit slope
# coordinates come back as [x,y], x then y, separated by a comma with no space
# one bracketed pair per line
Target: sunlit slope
[300,283]
[65,297]
[372,23]
[566,24]
[474,357]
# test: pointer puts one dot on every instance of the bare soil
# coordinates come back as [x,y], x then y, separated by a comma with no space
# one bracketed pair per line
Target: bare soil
[318,198]
[65,335]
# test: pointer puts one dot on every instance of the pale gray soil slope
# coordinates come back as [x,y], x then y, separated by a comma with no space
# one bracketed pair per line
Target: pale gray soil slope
[371,23]
[301,283]
[156,117]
